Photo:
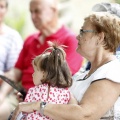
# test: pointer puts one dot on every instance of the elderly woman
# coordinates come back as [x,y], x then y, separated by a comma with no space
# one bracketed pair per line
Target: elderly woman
[98,89]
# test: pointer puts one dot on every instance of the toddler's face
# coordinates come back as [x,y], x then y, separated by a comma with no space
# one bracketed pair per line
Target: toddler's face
[37,76]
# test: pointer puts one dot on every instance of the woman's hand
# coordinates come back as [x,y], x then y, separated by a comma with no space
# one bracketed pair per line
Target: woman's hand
[20,108]
[25,107]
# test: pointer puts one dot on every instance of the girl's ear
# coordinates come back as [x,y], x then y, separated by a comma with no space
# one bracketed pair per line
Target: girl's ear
[43,74]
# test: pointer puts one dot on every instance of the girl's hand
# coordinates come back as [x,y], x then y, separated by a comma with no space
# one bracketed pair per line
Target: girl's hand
[19,97]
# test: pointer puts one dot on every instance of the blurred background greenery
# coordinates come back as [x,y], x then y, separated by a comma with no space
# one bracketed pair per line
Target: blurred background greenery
[17,22]
[117,1]
[71,14]
[18,17]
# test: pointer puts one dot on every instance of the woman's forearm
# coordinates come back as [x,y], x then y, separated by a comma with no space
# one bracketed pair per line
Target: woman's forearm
[64,112]
[56,111]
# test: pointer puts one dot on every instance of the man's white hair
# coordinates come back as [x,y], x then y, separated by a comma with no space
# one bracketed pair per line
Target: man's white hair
[52,3]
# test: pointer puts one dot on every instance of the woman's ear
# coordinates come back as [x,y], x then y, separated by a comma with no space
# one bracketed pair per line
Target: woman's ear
[101,37]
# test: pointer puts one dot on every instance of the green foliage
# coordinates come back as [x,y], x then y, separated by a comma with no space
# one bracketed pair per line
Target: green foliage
[17,22]
[117,1]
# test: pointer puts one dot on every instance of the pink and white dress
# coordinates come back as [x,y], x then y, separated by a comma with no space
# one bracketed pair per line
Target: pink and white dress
[47,94]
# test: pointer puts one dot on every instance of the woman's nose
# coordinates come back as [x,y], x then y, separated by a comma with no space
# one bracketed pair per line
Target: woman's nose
[78,37]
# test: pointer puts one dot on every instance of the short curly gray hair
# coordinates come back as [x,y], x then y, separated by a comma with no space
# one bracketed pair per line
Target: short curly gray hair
[109,24]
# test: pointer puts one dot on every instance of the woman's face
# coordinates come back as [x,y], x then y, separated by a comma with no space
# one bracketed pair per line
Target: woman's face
[3,9]
[86,39]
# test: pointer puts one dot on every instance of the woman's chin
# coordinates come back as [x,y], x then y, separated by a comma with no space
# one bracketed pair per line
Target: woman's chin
[78,50]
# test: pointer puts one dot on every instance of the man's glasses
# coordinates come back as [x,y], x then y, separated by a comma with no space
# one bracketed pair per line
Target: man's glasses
[85,31]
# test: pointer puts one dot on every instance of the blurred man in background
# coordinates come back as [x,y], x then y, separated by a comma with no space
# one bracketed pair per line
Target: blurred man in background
[44,14]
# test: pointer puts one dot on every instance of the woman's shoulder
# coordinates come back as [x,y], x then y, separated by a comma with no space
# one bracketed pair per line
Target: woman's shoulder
[108,71]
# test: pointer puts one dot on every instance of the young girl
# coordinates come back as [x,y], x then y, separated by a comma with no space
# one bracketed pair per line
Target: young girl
[52,78]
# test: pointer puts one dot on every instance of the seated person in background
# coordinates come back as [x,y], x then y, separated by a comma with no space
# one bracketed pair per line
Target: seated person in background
[44,14]
[11,44]
[52,78]
[98,89]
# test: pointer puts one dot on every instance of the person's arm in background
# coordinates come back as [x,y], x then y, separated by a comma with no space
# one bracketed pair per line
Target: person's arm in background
[93,105]
[15,75]
[14,51]
[15,46]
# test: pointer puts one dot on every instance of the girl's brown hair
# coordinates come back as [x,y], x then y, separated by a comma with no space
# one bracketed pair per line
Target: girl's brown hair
[53,62]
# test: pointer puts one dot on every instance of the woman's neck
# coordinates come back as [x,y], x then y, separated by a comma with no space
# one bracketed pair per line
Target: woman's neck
[101,61]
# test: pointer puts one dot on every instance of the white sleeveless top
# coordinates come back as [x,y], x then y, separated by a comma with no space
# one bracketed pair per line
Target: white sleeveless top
[109,71]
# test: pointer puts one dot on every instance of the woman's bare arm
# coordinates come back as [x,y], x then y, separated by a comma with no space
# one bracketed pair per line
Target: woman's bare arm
[98,99]
[72,99]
